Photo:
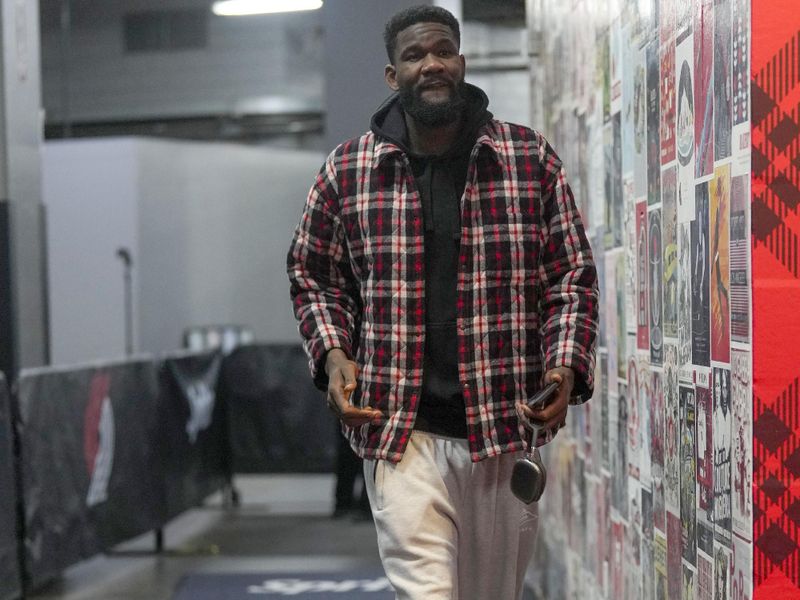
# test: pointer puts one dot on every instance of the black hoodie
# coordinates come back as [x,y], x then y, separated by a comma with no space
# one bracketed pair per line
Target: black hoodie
[440,180]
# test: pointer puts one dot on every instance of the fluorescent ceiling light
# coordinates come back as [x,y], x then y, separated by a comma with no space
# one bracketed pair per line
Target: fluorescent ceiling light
[235,8]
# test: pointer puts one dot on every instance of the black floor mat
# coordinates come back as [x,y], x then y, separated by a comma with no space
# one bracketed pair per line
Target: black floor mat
[300,586]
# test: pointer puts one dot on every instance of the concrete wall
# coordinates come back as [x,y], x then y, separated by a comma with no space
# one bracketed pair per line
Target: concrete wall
[208,225]
[355,58]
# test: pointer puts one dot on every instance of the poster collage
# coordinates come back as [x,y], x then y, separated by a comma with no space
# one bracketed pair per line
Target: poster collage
[650,497]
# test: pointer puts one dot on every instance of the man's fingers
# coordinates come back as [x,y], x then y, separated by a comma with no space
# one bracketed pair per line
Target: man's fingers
[342,384]
[553,422]
[354,417]
[559,405]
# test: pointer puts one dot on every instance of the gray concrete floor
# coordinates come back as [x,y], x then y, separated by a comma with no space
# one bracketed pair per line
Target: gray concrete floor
[282,526]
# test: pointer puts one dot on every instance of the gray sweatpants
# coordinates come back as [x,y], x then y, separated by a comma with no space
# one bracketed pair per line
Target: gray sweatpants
[448,528]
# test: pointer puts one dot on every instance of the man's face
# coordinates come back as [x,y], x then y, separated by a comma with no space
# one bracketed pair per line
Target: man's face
[428,72]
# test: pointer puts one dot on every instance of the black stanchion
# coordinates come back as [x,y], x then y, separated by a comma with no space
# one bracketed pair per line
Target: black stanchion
[10,580]
[277,418]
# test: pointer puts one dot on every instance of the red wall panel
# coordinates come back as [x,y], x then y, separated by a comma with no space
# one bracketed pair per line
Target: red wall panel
[775,94]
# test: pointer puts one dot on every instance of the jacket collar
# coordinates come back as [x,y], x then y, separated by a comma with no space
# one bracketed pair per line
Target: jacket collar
[384,148]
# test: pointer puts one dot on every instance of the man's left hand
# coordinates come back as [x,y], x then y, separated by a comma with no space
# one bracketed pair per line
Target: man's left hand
[554,415]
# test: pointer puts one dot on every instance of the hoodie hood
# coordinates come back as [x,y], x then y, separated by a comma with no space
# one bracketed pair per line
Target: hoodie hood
[389,122]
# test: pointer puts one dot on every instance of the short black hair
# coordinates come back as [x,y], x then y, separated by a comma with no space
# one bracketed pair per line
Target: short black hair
[417,14]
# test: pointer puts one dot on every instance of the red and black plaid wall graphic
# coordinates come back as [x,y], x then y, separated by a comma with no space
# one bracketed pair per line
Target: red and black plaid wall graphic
[775,94]
[776,501]
[776,155]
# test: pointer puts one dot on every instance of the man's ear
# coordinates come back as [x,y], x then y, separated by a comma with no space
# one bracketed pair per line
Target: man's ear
[390,75]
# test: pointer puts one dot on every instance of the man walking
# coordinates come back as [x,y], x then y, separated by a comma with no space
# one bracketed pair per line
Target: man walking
[441,275]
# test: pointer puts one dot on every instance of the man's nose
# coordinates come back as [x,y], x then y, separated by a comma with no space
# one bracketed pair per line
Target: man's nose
[432,64]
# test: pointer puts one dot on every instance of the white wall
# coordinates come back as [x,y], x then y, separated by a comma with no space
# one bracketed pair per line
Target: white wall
[90,189]
[209,225]
[216,223]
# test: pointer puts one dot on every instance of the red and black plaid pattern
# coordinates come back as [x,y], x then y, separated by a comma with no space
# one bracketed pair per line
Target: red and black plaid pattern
[527,285]
[775,91]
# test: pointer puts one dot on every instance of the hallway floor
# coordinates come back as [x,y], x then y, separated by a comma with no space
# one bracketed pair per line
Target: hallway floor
[282,525]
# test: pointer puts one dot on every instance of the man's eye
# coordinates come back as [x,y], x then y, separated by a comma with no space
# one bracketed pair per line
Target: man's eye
[445,53]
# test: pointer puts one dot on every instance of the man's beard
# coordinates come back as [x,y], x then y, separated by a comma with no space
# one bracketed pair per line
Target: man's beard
[434,114]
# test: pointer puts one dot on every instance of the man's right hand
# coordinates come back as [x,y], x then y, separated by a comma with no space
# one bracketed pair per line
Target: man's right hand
[342,373]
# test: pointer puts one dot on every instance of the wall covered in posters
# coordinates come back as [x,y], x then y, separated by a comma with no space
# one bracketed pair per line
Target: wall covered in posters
[648,102]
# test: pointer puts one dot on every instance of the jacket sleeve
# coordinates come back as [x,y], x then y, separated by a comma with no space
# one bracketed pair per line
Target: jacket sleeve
[569,280]
[323,290]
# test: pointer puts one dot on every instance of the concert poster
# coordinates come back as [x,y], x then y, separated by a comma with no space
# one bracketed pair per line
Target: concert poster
[656,287]
[630,55]
[740,259]
[605,412]
[653,125]
[601,528]
[685,122]
[700,278]
[685,293]
[613,183]
[741,57]
[719,195]
[674,545]
[741,577]
[658,413]
[705,453]
[613,340]
[648,568]
[671,431]
[617,558]
[684,20]
[618,426]
[660,566]
[722,428]
[687,512]
[647,514]
[633,544]
[632,15]
[659,509]
[666,21]
[669,237]
[667,102]
[703,87]
[642,272]
[622,330]
[616,180]
[742,462]
[723,80]
[705,578]
[629,239]
[722,573]
[644,460]
[615,65]
[634,432]
[639,124]
[689,587]
[705,538]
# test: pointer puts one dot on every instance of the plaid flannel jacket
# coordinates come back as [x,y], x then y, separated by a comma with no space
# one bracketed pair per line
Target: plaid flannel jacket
[527,284]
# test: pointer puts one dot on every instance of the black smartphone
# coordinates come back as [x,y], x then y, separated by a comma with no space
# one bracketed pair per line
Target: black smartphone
[542,396]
